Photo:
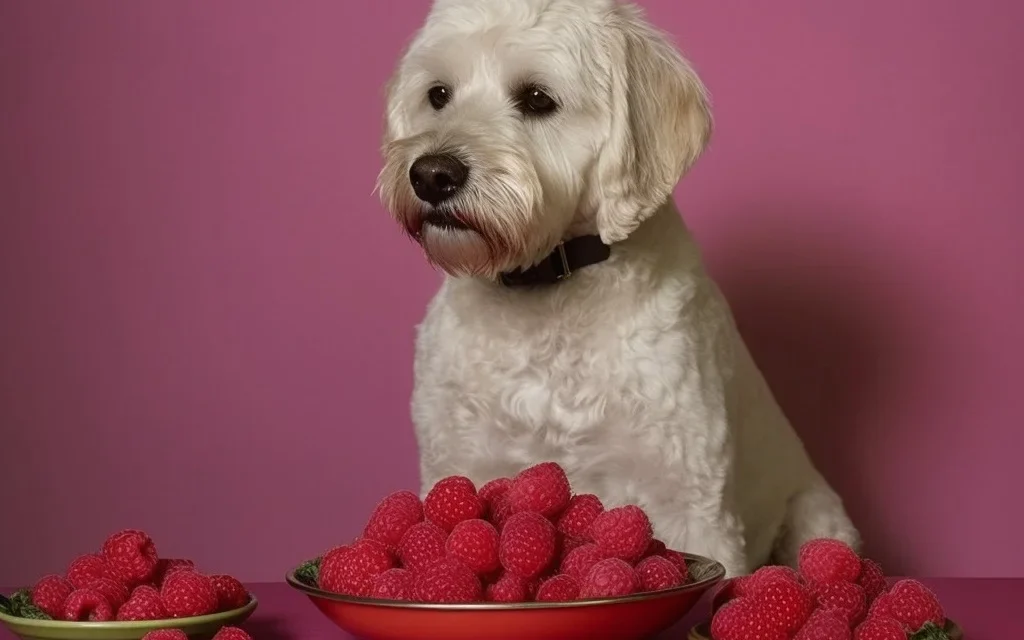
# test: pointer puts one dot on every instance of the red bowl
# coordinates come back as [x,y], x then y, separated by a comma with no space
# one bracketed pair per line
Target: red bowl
[628,618]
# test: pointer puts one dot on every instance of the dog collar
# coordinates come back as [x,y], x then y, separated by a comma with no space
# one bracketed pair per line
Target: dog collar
[568,257]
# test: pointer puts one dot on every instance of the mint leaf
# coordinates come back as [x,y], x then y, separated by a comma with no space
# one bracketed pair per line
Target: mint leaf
[33,612]
[308,572]
[21,606]
[930,632]
[20,599]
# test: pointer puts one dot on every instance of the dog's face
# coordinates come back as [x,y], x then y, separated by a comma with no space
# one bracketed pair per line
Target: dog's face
[512,124]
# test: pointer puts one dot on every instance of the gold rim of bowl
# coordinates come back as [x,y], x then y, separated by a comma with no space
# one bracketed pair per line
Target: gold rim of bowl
[708,573]
[133,624]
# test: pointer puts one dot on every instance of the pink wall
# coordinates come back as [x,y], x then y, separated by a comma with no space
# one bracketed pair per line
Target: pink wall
[207,319]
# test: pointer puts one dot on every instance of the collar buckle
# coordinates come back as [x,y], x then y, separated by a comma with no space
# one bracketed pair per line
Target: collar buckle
[563,261]
[566,258]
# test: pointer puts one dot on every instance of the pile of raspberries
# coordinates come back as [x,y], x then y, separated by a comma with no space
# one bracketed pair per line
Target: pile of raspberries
[226,633]
[836,595]
[127,581]
[522,539]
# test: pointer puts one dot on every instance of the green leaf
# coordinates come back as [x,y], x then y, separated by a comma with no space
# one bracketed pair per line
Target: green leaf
[930,632]
[33,612]
[309,572]
[21,606]
[20,599]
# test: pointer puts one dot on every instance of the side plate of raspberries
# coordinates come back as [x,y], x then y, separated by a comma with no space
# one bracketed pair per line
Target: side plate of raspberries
[520,557]
[835,595]
[125,591]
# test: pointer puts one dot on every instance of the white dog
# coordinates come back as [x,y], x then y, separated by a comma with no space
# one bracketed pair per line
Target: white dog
[531,149]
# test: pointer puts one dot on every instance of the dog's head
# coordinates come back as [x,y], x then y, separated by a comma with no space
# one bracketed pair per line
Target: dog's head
[511,124]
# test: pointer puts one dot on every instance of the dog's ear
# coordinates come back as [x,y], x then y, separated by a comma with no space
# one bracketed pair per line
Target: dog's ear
[660,124]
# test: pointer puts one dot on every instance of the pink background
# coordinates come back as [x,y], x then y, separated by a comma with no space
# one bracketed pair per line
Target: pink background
[206,320]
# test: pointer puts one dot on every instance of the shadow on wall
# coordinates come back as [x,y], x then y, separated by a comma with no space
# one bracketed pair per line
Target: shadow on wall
[824,327]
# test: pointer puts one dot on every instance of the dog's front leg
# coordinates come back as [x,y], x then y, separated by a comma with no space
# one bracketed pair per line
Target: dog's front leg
[449,446]
[438,453]
[718,536]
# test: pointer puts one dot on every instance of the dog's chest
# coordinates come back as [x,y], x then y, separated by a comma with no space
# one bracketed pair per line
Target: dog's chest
[578,383]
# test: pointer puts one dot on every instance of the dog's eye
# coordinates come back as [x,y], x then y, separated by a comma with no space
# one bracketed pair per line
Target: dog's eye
[439,96]
[532,100]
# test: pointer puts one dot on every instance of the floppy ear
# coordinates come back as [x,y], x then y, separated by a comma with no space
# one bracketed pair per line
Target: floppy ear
[660,120]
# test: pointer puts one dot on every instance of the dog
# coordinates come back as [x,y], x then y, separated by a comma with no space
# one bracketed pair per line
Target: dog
[531,149]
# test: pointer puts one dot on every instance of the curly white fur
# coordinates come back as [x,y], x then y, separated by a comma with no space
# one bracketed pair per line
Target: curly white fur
[631,373]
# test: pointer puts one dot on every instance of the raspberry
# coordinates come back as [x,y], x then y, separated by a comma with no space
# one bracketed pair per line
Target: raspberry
[231,594]
[393,584]
[145,603]
[501,511]
[50,594]
[567,545]
[393,517]
[112,590]
[328,559]
[144,591]
[491,492]
[331,561]
[167,566]
[872,579]
[786,601]
[844,599]
[166,634]
[451,501]
[558,589]
[578,562]
[826,561]
[742,619]
[725,592]
[911,604]
[823,625]
[679,560]
[132,554]
[656,548]
[609,579]
[187,594]
[474,543]
[879,628]
[88,568]
[508,588]
[231,633]
[542,488]
[532,586]
[351,570]
[657,573]
[86,605]
[624,532]
[752,584]
[421,545]
[447,581]
[575,521]
[528,544]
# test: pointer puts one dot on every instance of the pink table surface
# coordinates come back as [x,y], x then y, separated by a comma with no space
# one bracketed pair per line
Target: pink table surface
[987,609]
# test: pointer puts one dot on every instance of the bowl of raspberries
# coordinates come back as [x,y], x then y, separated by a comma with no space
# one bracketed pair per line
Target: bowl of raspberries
[835,595]
[516,558]
[125,591]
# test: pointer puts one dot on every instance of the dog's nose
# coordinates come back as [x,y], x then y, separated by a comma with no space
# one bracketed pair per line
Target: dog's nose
[437,177]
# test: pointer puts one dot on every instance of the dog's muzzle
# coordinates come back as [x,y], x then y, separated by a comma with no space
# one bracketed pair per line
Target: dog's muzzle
[437,177]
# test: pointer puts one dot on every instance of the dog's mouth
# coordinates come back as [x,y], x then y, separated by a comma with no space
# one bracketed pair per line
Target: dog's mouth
[445,220]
